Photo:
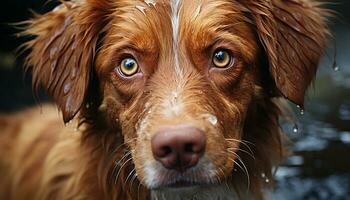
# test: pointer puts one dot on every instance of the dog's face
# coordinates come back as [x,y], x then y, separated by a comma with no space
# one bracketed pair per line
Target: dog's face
[188,73]
[178,77]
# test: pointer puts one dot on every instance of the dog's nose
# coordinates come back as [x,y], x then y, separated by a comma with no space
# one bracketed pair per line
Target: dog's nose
[178,147]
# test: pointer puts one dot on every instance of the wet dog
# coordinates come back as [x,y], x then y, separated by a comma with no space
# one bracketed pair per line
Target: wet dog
[162,99]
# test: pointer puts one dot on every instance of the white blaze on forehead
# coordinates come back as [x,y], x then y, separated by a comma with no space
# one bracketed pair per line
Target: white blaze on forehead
[175,22]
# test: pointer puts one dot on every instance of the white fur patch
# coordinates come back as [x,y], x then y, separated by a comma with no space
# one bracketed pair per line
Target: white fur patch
[172,106]
[150,172]
[175,22]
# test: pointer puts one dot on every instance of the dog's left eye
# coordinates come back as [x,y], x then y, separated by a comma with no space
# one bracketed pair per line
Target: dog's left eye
[128,67]
[222,58]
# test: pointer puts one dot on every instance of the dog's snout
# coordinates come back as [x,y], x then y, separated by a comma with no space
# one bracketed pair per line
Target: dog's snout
[178,147]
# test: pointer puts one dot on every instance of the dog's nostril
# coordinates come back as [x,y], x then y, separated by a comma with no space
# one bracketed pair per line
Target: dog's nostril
[189,148]
[165,151]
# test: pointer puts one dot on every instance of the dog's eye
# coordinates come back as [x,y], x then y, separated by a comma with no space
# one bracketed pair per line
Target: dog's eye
[222,58]
[129,67]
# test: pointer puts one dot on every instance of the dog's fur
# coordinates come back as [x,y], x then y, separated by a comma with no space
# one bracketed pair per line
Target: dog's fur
[103,151]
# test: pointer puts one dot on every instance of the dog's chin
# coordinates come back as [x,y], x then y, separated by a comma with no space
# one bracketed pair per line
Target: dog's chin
[182,185]
[187,191]
[188,179]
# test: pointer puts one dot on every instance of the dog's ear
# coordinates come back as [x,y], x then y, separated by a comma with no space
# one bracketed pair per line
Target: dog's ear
[293,34]
[62,51]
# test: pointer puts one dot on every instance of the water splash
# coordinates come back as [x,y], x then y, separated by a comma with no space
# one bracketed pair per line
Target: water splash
[212,119]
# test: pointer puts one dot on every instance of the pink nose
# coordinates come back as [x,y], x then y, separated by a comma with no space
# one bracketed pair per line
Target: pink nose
[178,147]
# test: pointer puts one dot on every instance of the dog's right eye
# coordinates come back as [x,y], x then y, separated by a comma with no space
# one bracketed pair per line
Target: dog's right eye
[128,67]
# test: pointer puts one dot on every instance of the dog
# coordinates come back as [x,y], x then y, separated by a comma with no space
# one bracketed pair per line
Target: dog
[160,99]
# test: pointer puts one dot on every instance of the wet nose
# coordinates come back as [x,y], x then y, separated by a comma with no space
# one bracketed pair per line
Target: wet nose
[178,147]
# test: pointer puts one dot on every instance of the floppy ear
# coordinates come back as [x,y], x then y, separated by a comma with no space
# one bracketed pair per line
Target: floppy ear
[293,34]
[62,51]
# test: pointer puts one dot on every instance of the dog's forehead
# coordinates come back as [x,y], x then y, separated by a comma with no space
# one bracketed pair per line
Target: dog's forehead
[163,21]
[176,13]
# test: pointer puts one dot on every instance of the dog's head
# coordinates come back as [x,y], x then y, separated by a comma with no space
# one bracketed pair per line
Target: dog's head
[187,82]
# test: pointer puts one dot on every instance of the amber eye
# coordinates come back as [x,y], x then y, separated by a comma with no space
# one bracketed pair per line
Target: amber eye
[128,67]
[222,58]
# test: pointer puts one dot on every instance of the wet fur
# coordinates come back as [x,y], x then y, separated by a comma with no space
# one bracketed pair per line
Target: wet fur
[72,57]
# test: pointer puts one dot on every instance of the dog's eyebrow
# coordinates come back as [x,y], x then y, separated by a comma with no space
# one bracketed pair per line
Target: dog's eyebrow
[128,45]
[226,39]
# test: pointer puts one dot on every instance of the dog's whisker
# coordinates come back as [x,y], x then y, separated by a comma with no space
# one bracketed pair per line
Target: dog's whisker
[117,163]
[131,173]
[243,167]
[245,171]
[133,179]
[241,142]
[120,169]
[242,150]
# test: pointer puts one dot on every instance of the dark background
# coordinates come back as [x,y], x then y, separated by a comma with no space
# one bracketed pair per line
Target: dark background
[320,167]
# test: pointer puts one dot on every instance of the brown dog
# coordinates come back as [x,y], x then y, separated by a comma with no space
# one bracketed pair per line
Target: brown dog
[163,99]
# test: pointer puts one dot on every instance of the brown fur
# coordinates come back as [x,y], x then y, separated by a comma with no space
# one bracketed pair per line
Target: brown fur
[277,46]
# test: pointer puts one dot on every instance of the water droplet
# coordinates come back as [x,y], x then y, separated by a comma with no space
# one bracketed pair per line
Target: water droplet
[265,178]
[174,95]
[141,8]
[74,45]
[53,53]
[67,88]
[69,104]
[74,72]
[336,67]
[87,105]
[213,119]
[150,2]
[53,65]
[198,11]
[295,128]
[301,110]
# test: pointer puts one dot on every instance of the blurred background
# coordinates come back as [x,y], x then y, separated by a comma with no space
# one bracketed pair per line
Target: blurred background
[320,166]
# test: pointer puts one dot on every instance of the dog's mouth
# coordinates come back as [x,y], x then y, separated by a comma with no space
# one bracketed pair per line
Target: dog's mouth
[184,180]
[182,184]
